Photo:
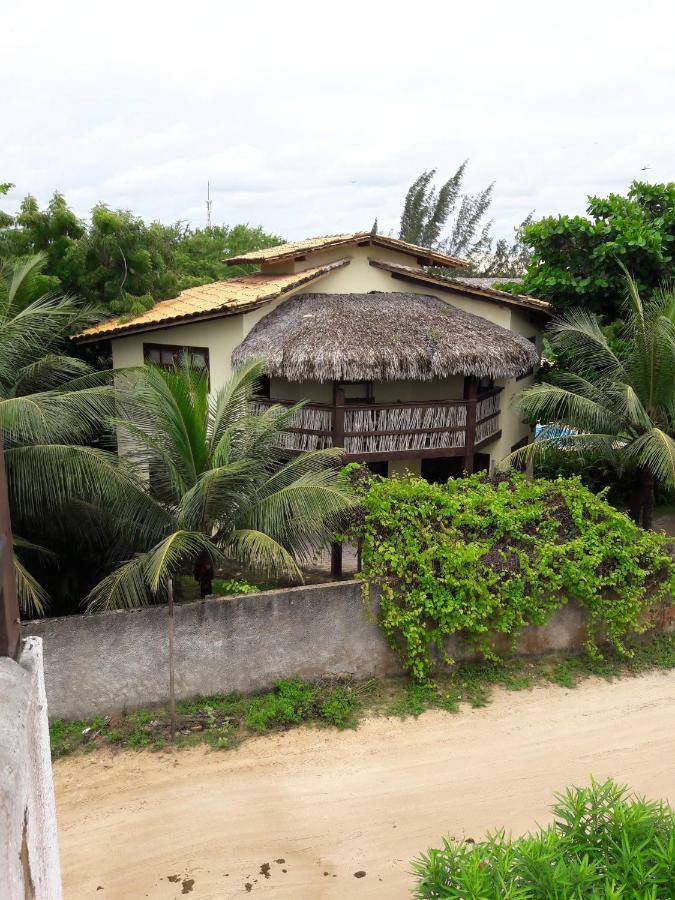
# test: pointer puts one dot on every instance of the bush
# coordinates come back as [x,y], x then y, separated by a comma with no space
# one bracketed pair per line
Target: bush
[485,557]
[603,843]
[288,705]
[294,702]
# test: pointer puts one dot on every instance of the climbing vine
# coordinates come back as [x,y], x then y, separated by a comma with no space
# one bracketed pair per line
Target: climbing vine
[483,558]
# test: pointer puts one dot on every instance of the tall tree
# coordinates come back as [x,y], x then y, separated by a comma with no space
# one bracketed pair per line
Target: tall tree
[201,253]
[575,259]
[618,407]
[116,259]
[51,406]
[445,219]
[221,482]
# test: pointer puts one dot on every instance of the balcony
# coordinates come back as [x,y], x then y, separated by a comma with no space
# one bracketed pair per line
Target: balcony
[406,430]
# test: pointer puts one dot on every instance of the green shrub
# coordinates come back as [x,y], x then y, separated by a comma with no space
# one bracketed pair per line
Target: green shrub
[338,707]
[290,703]
[603,844]
[485,557]
[224,586]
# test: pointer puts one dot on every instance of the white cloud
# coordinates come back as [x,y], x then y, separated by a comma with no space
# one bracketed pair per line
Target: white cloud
[309,118]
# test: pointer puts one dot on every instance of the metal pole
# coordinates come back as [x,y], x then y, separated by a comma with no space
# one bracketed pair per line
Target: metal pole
[10,619]
[172,692]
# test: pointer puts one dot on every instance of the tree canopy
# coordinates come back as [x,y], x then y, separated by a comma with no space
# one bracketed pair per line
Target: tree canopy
[456,223]
[115,259]
[576,259]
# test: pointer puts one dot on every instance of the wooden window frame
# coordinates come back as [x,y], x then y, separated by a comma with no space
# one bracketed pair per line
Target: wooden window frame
[176,351]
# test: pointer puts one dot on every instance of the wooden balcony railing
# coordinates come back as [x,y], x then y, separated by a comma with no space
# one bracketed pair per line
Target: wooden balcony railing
[412,429]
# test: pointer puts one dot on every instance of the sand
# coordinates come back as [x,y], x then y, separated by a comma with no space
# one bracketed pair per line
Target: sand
[311,807]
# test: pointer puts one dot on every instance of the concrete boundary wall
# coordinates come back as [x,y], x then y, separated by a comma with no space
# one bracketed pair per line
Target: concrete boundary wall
[107,662]
[29,850]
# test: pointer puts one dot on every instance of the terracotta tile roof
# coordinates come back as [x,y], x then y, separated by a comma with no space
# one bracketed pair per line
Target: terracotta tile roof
[220,298]
[296,249]
[462,286]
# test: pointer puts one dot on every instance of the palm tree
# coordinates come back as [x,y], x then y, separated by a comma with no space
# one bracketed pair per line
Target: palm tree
[222,484]
[620,406]
[51,406]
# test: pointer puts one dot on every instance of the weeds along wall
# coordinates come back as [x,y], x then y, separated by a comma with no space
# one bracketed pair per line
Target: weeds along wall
[103,663]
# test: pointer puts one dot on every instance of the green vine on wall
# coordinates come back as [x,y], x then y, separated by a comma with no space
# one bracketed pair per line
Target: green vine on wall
[484,557]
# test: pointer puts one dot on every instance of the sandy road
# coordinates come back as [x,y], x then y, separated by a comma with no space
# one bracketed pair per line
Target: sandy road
[330,804]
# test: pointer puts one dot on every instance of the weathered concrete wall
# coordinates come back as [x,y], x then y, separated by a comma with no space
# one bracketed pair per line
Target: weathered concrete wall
[29,851]
[112,661]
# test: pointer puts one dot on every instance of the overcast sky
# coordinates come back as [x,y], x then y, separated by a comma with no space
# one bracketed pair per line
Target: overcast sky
[313,118]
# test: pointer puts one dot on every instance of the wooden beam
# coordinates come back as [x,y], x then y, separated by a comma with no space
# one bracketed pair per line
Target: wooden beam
[338,441]
[469,450]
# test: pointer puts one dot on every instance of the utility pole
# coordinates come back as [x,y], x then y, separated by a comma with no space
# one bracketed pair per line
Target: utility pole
[10,630]
[208,204]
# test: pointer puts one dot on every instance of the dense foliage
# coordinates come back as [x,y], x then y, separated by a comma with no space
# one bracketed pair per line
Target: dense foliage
[604,843]
[220,484]
[115,259]
[618,405]
[72,502]
[574,258]
[483,558]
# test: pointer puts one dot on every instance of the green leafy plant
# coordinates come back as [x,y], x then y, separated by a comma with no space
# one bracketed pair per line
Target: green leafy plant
[288,705]
[221,485]
[604,843]
[620,409]
[482,558]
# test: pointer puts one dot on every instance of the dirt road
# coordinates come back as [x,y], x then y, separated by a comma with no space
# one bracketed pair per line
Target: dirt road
[312,807]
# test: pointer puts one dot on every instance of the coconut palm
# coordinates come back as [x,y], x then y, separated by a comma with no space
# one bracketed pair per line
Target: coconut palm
[617,406]
[223,486]
[51,405]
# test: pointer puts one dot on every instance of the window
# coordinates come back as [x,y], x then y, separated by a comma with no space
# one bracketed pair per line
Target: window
[168,355]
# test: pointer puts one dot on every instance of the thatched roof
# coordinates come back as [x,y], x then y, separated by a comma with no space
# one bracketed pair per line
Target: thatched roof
[381,337]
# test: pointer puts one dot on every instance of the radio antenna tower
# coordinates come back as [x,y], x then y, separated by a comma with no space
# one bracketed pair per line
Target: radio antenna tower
[208,204]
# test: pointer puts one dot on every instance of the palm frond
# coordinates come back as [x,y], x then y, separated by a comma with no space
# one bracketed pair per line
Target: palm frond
[655,451]
[32,597]
[261,552]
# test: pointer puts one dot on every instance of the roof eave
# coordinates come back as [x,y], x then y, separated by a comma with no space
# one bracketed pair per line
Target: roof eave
[129,328]
[455,287]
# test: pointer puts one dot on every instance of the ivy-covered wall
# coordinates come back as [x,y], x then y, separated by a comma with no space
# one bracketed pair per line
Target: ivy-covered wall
[486,557]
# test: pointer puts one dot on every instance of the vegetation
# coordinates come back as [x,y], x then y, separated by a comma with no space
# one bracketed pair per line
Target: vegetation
[604,842]
[223,721]
[220,484]
[575,258]
[617,407]
[116,260]
[63,489]
[428,212]
[480,559]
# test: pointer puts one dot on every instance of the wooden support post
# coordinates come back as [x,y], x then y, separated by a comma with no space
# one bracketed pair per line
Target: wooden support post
[471,395]
[10,620]
[338,434]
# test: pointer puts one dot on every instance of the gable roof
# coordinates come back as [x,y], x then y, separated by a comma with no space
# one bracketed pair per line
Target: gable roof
[465,286]
[299,249]
[208,301]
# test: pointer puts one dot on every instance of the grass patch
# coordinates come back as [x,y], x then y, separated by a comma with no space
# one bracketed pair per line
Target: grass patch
[223,721]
